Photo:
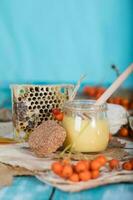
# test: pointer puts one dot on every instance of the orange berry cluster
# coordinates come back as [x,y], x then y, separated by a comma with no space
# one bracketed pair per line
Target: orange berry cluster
[85,170]
[58,115]
[96,92]
[128,165]
[121,101]
[126,131]
[115,164]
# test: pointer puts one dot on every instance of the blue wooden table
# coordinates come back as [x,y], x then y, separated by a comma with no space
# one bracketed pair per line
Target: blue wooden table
[29,188]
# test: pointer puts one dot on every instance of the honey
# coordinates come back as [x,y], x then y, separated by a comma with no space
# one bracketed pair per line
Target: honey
[86,125]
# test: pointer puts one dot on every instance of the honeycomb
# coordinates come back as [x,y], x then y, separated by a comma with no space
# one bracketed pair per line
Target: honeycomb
[31,104]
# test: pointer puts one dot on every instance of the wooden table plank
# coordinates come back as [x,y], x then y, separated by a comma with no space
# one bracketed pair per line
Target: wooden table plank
[120,191]
[30,188]
[26,188]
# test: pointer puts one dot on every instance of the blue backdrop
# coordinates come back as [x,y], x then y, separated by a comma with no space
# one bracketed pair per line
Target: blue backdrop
[58,40]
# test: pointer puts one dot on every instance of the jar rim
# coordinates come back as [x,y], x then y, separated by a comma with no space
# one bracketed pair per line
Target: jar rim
[84,105]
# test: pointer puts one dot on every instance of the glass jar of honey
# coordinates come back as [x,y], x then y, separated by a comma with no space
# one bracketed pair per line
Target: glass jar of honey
[86,125]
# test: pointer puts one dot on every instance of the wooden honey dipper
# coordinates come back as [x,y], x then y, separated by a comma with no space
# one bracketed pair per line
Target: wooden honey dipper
[116,84]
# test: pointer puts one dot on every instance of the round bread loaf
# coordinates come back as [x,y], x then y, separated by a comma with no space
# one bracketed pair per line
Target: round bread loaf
[47,138]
